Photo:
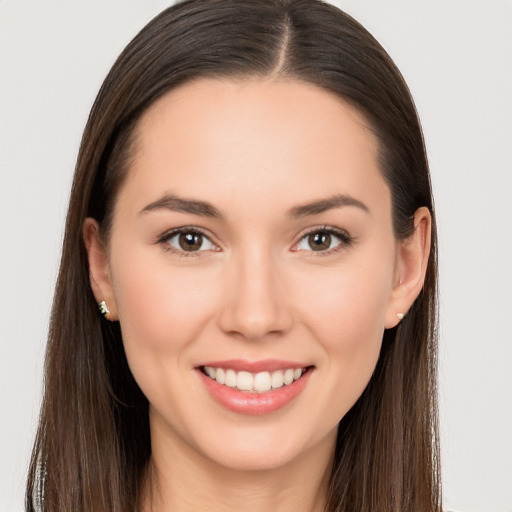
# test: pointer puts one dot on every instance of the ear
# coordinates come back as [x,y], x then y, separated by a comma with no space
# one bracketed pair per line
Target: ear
[99,271]
[411,267]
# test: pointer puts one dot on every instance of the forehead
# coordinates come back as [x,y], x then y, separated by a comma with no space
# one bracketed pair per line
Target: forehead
[257,139]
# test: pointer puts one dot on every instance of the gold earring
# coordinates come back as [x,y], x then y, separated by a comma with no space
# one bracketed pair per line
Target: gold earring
[400,316]
[102,306]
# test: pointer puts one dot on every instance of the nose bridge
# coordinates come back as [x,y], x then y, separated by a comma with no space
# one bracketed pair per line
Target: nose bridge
[256,302]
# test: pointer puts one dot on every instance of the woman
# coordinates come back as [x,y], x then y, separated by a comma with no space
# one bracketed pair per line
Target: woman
[252,214]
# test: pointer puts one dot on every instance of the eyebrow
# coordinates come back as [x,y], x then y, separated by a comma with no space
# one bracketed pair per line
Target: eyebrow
[323,205]
[178,204]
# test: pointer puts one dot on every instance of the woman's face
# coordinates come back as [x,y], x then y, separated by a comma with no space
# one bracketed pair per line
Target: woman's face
[252,246]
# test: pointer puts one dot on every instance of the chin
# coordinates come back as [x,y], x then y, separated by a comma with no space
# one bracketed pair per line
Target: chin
[253,460]
[265,449]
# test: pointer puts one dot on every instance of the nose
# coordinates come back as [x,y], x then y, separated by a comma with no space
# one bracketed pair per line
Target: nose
[256,300]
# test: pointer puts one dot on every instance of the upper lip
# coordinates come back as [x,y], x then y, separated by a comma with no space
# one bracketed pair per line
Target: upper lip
[264,365]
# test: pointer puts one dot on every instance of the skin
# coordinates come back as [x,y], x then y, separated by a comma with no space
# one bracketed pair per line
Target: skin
[256,290]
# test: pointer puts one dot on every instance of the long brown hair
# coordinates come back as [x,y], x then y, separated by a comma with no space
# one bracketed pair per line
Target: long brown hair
[93,445]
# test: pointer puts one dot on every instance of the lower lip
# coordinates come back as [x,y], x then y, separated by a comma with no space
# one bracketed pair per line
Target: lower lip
[254,404]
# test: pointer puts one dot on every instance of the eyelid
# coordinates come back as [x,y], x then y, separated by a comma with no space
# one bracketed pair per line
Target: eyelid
[170,233]
[345,239]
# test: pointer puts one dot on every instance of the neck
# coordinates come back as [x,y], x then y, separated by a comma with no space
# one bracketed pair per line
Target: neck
[182,480]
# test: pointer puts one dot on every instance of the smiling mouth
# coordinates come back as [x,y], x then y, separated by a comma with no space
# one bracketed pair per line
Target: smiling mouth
[261,382]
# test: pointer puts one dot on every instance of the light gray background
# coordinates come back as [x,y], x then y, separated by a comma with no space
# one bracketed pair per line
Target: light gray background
[457,58]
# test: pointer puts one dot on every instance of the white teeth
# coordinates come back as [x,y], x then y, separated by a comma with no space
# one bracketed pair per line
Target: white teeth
[288,376]
[258,383]
[244,381]
[277,379]
[262,382]
[230,378]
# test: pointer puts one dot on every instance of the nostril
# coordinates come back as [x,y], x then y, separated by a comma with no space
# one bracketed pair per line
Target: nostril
[255,322]
[256,303]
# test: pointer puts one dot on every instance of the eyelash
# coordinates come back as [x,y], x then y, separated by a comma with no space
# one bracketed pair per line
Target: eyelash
[344,238]
[168,235]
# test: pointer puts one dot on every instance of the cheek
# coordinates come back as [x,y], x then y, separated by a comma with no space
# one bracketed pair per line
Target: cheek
[349,303]
[161,309]
[346,316]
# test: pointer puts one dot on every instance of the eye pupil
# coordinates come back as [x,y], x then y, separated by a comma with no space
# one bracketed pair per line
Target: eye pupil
[319,241]
[190,241]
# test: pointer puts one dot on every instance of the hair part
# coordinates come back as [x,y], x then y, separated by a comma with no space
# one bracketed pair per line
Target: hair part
[93,443]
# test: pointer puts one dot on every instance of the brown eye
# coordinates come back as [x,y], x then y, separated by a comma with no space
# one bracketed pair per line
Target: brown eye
[190,241]
[324,241]
[319,241]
